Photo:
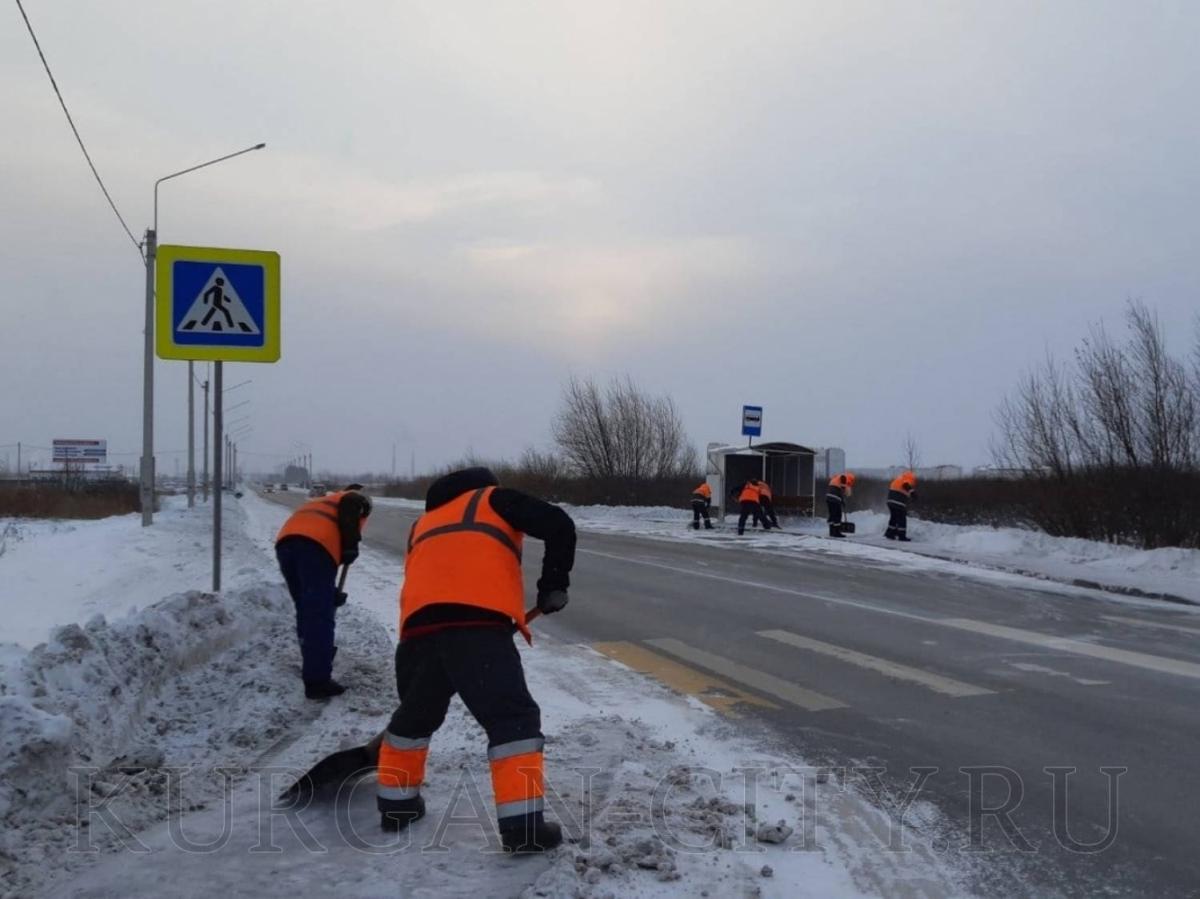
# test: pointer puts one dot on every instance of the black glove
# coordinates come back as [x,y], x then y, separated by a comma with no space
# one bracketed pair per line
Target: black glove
[339,599]
[349,554]
[551,601]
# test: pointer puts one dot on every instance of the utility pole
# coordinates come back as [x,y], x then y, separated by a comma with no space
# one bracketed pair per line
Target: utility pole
[147,479]
[18,458]
[393,460]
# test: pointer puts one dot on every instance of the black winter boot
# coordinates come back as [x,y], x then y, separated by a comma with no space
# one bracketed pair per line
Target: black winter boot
[835,530]
[402,813]
[326,690]
[903,538]
[529,834]
[708,526]
[890,533]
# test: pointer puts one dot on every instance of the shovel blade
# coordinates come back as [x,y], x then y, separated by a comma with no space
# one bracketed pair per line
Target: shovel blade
[326,777]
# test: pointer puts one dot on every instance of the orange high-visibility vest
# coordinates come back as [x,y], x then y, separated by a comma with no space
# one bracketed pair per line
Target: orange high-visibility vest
[845,481]
[905,483]
[703,490]
[464,553]
[317,520]
[749,494]
[764,490]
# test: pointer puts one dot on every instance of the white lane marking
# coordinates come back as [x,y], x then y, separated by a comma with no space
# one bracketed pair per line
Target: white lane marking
[742,582]
[1065,644]
[1042,669]
[1143,623]
[935,682]
[1121,656]
[757,680]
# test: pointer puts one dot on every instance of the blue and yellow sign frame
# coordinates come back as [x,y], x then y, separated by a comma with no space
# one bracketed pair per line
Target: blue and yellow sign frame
[252,276]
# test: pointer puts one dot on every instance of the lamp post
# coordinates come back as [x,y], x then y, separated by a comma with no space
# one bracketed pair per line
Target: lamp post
[150,246]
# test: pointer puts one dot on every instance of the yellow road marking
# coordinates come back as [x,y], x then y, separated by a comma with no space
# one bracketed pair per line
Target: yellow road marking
[718,694]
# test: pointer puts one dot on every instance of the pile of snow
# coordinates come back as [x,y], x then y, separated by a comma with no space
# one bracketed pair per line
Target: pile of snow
[55,572]
[146,714]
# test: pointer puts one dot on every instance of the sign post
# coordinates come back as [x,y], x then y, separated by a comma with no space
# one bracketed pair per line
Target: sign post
[218,305]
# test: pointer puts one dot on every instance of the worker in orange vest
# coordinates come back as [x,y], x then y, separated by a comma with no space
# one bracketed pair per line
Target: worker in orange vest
[766,499]
[701,500]
[463,595]
[750,500]
[318,537]
[901,492]
[840,488]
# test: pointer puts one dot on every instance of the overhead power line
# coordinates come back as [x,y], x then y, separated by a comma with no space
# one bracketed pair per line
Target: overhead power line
[75,130]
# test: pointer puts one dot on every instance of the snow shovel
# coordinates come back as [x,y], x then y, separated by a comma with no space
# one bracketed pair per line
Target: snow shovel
[340,597]
[326,777]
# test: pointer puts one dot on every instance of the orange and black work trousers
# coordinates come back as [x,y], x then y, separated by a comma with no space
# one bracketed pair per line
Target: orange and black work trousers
[749,509]
[483,667]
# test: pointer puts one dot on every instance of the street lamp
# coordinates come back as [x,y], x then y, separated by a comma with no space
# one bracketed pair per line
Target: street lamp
[150,246]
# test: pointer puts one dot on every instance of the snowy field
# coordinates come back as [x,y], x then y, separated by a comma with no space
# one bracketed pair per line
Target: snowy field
[167,730]
[1173,573]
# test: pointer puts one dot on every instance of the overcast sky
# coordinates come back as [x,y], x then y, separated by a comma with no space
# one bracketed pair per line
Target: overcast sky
[866,217]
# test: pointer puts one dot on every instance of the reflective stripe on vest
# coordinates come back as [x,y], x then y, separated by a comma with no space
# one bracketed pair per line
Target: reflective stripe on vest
[317,520]
[466,554]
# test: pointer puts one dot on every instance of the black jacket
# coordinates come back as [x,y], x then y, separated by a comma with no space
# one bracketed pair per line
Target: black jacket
[352,509]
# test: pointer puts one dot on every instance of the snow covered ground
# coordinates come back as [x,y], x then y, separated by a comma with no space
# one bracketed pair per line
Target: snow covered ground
[1086,563]
[140,752]
[57,572]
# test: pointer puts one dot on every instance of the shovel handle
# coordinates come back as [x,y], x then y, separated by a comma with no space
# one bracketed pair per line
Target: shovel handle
[342,579]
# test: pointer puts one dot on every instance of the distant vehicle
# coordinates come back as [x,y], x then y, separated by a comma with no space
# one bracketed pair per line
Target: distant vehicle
[283,487]
[269,489]
[318,490]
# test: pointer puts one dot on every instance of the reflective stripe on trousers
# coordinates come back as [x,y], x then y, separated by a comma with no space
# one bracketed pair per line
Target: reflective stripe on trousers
[401,766]
[517,777]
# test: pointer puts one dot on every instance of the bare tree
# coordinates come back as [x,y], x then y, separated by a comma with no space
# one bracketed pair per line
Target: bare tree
[545,465]
[910,452]
[621,432]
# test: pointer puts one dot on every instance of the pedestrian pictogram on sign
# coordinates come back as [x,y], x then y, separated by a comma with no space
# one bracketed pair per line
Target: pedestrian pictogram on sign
[217,304]
[218,309]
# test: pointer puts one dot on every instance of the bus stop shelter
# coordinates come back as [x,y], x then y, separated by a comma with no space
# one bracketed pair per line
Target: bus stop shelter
[789,469]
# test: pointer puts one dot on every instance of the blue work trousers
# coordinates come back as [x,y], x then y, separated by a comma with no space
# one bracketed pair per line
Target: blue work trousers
[311,577]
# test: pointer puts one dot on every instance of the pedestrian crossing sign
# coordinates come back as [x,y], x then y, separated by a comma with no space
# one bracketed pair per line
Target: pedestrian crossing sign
[217,305]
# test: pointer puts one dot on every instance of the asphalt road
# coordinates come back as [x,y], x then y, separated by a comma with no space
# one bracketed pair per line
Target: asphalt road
[853,664]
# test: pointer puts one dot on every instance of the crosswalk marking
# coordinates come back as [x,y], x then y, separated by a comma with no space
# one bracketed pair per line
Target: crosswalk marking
[718,694]
[1145,623]
[1052,672]
[1078,647]
[936,682]
[757,680]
